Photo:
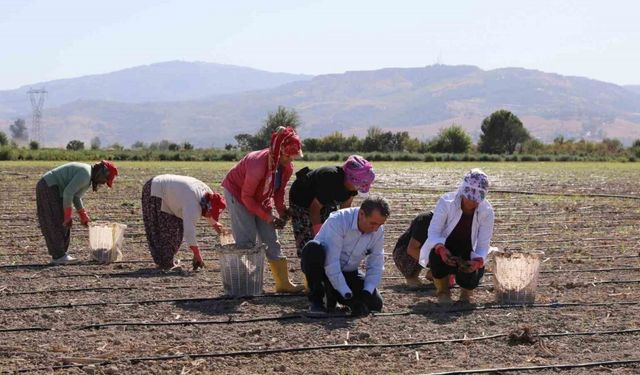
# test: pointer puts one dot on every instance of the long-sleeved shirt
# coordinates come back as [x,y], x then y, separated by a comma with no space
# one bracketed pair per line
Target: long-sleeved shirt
[181,197]
[346,246]
[73,180]
[446,216]
[248,181]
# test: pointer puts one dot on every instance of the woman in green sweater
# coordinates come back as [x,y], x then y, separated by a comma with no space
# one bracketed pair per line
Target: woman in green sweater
[60,189]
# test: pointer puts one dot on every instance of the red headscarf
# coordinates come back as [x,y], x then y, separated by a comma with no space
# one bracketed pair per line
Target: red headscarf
[283,140]
[213,204]
[113,171]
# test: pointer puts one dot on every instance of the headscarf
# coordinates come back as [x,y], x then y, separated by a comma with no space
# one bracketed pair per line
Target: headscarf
[474,185]
[283,140]
[359,172]
[212,204]
[112,171]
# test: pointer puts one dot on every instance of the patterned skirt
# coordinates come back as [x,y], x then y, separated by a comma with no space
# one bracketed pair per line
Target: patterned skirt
[301,223]
[164,231]
[51,217]
[407,265]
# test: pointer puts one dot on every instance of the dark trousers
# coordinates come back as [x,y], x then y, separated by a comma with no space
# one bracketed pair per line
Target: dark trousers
[440,270]
[312,263]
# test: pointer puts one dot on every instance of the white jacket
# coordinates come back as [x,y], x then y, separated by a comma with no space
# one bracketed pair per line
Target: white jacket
[446,216]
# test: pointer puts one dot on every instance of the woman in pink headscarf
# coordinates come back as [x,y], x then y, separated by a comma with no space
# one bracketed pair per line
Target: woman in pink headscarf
[252,188]
[318,192]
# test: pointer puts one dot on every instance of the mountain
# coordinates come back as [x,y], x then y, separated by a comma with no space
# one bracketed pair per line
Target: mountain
[418,100]
[633,88]
[161,82]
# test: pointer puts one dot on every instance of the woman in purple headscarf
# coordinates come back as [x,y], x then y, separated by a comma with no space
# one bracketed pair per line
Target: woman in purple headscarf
[318,192]
[458,237]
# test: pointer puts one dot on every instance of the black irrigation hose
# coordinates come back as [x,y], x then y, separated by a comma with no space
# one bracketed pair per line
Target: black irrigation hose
[561,366]
[2,330]
[335,347]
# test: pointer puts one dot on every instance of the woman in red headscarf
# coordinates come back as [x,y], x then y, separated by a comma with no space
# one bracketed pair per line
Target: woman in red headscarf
[171,207]
[252,188]
[57,192]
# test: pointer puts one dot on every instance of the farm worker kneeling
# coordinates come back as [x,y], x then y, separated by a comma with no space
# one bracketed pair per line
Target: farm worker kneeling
[458,238]
[251,188]
[318,192]
[60,189]
[171,207]
[330,261]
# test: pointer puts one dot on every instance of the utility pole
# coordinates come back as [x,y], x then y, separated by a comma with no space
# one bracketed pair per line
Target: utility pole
[37,102]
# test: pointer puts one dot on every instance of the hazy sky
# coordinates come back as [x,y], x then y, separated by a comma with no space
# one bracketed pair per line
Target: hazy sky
[44,40]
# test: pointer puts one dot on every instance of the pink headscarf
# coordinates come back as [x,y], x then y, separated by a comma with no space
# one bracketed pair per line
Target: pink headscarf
[359,172]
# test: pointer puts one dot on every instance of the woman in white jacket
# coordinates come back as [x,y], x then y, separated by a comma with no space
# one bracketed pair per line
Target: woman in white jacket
[458,238]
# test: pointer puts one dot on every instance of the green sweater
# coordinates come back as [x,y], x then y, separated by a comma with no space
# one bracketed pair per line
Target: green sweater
[73,180]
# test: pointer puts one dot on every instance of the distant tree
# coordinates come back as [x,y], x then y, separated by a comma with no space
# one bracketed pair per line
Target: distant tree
[34,145]
[281,117]
[75,145]
[163,145]
[187,146]
[612,146]
[533,146]
[174,147]
[137,145]
[95,143]
[229,146]
[116,146]
[377,140]
[636,144]
[453,139]
[4,140]
[502,132]
[19,130]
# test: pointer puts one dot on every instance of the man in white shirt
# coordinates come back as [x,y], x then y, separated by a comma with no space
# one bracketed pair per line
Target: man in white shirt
[330,262]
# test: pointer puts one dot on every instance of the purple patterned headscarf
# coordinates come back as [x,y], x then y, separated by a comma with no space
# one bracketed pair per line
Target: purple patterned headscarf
[359,172]
[474,185]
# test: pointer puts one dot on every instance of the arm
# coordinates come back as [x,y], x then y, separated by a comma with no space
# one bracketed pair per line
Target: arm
[347,203]
[435,233]
[314,215]
[250,184]
[375,264]
[333,248]
[74,191]
[485,232]
[278,195]
[190,216]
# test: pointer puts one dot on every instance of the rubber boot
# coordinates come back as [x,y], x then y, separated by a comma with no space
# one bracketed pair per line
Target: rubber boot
[305,282]
[442,291]
[280,271]
[466,295]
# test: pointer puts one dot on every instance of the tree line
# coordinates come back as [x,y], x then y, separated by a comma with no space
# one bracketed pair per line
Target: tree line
[502,133]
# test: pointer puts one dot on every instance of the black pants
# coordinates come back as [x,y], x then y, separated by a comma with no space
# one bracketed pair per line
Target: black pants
[440,270]
[312,263]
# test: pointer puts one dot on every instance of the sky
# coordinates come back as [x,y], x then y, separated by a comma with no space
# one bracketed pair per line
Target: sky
[53,39]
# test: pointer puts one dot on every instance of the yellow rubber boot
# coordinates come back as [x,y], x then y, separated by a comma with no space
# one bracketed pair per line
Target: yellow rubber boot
[414,282]
[466,295]
[280,271]
[442,291]
[306,284]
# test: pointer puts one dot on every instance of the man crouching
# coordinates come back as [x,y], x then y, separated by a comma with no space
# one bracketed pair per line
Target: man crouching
[330,261]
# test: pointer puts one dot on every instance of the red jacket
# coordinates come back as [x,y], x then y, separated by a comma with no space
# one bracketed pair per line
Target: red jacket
[246,182]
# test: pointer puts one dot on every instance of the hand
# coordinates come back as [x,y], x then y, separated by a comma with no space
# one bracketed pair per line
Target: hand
[218,227]
[446,256]
[359,308]
[366,296]
[278,223]
[84,217]
[197,258]
[472,265]
[286,215]
[68,220]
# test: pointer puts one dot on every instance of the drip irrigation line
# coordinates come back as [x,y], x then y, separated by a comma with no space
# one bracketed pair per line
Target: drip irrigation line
[2,330]
[559,366]
[348,346]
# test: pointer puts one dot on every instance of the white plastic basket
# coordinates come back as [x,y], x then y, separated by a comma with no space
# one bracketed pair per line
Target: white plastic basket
[105,240]
[242,270]
[515,277]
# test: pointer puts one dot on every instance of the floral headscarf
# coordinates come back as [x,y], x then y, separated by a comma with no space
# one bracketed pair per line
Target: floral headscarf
[359,172]
[283,140]
[474,185]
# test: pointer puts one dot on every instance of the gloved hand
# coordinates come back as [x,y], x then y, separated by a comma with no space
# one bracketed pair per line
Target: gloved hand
[446,256]
[367,297]
[316,228]
[359,308]
[472,265]
[197,258]
[84,217]
[68,221]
